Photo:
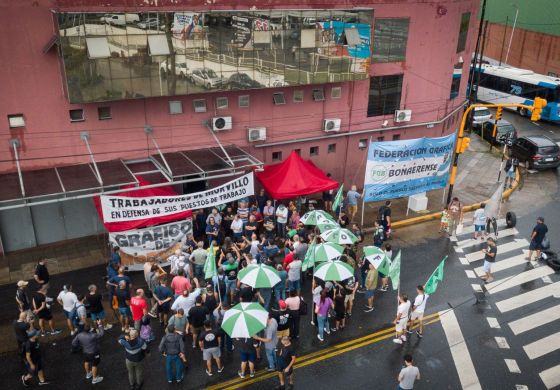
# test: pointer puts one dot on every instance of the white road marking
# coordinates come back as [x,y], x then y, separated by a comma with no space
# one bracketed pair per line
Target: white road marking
[535,320]
[512,366]
[521,387]
[501,265]
[459,351]
[463,261]
[469,229]
[551,377]
[502,342]
[476,287]
[502,233]
[546,279]
[529,297]
[543,346]
[470,274]
[517,280]
[493,322]
[518,243]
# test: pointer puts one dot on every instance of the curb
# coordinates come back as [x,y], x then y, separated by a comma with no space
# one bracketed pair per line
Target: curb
[430,217]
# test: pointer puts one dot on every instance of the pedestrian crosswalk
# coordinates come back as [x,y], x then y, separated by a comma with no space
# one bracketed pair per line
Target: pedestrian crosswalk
[525,309]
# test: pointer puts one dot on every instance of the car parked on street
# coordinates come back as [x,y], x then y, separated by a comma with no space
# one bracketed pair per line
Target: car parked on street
[537,151]
[205,77]
[504,131]
[480,116]
[242,81]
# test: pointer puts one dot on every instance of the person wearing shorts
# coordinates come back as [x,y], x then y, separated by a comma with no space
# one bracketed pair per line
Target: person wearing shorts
[210,345]
[88,340]
[418,308]
[479,221]
[371,284]
[248,354]
[401,319]
[489,258]
[286,359]
[123,299]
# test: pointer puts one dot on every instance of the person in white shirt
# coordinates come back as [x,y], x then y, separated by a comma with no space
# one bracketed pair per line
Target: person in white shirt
[408,375]
[237,228]
[67,299]
[186,300]
[294,275]
[401,319]
[418,308]
[281,220]
[178,261]
[479,221]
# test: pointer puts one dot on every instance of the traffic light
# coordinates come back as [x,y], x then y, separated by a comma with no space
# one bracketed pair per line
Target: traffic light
[499,113]
[538,105]
[464,144]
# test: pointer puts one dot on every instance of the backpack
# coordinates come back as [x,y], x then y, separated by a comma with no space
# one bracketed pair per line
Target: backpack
[74,317]
[381,213]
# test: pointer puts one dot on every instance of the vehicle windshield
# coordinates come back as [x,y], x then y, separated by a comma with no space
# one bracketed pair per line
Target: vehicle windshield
[548,149]
[211,73]
[505,129]
[484,112]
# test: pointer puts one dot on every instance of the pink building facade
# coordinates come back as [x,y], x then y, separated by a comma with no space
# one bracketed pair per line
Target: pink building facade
[423,44]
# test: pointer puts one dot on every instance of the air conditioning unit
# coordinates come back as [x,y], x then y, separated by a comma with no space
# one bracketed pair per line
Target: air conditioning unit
[256,134]
[403,115]
[220,123]
[332,124]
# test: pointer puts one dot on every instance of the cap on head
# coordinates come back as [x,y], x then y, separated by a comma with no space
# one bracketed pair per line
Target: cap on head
[282,304]
[22,283]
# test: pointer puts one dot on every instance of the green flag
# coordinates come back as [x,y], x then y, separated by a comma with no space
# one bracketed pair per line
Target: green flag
[437,276]
[395,271]
[210,264]
[338,198]
[309,261]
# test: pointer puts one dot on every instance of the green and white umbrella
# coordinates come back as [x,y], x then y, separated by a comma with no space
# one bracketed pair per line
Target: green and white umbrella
[378,258]
[339,236]
[324,226]
[334,270]
[259,276]
[315,217]
[325,251]
[244,320]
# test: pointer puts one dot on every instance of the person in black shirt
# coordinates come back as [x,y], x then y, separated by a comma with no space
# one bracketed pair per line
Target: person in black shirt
[197,315]
[21,297]
[96,306]
[211,302]
[537,237]
[32,360]
[283,317]
[286,359]
[343,220]
[384,218]
[21,326]
[41,308]
[210,345]
[248,352]
[489,258]
[41,275]
[123,300]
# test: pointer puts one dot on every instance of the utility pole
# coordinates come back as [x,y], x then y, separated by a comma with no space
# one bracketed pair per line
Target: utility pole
[474,59]
[512,32]
[503,41]
[482,44]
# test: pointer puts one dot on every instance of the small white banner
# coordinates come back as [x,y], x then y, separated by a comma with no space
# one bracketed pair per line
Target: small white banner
[124,208]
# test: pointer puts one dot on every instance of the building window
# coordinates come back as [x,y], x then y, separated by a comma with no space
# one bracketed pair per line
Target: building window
[463,31]
[362,144]
[456,81]
[276,156]
[244,101]
[199,105]
[221,103]
[298,96]
[331,148]
[384,95]
[16,120]
[336,92]
[278,98]
[396,137]
[175,107]
[314,151]
[104,113]
[76,115]
[389,40]
[318,95]
[380,139]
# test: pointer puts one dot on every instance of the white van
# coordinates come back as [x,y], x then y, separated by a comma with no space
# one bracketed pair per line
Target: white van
[120,19]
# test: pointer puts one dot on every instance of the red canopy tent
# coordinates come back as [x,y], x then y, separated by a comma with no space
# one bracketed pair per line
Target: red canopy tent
[128,225]
[294,177]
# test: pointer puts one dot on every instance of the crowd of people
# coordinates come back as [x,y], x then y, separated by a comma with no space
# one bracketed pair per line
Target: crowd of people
[190,308]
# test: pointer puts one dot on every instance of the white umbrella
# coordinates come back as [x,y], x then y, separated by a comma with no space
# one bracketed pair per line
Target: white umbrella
[244,320]
[259,276]
[339,236]
[334,270]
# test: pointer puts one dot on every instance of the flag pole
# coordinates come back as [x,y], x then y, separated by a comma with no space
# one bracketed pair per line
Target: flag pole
[363,191]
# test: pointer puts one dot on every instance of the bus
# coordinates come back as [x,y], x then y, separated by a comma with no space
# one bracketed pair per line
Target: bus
[499,84]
